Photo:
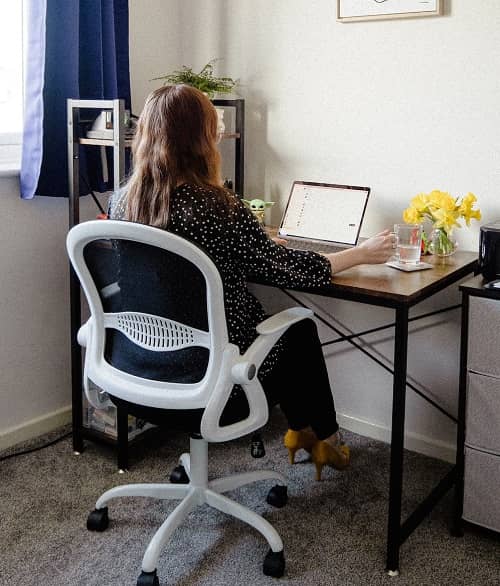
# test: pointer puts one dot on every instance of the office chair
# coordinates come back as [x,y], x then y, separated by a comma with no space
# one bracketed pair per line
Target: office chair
[178,310]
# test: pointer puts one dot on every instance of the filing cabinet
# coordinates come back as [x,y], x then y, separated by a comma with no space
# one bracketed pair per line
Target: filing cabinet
[478,447]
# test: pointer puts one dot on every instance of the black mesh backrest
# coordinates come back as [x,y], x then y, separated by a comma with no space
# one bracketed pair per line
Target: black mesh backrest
[139,277]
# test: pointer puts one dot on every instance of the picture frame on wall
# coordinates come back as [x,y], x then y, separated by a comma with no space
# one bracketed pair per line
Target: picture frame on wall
[354,10]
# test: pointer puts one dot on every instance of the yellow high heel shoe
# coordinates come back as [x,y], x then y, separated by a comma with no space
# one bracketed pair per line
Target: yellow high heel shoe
[324,454]
[297,440]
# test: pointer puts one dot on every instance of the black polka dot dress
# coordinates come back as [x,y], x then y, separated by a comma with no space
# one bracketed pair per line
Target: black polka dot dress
[242,251]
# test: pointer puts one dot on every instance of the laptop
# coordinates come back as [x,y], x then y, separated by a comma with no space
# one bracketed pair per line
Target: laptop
[323,217]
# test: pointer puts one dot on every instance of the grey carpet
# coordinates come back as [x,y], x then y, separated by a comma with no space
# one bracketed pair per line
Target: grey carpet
[333,530]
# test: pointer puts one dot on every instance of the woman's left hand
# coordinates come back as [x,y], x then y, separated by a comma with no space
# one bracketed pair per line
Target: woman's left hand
[279,240]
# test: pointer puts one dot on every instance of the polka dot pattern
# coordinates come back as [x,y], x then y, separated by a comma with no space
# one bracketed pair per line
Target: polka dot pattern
[242,252]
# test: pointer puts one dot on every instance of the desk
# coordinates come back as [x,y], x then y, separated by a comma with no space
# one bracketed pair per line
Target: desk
[384,286]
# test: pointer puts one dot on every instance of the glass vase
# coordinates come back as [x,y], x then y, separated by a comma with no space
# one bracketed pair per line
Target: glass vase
[442,242]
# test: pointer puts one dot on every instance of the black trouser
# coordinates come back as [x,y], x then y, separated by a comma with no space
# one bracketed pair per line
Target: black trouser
[299,382]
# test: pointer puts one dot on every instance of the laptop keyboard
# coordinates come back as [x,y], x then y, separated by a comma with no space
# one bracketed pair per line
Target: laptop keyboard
[315,246]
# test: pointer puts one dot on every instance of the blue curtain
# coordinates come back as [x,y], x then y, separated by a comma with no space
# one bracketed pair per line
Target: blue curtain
[34,61]
[87,57]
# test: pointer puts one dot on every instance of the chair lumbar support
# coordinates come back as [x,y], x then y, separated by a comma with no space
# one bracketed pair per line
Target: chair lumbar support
[192,486]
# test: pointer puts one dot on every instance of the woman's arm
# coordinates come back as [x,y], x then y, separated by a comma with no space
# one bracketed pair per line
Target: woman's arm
[263,258]
[375,250]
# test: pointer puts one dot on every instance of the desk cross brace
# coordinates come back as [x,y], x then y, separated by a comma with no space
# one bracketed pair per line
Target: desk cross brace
[350,338]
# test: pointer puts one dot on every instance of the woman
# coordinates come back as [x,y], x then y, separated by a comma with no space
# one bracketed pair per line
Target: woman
[176,185]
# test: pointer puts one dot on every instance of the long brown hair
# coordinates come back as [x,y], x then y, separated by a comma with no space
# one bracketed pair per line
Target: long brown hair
[175,142]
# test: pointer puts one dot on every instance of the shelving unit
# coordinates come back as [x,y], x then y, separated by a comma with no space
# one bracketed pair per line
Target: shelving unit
[118,144]
[75,140]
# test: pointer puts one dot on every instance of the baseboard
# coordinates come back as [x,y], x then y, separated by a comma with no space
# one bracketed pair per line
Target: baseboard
[34,428]
[413,441]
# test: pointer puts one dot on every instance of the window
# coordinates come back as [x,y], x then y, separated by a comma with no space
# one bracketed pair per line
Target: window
[11,84]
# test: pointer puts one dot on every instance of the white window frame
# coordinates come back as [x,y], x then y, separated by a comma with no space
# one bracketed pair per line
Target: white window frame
[11,142]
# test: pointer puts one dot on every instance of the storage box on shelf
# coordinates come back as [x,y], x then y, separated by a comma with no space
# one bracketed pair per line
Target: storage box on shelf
[105,421]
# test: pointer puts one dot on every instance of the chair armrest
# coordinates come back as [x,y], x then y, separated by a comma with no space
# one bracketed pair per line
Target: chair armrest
[270,330]
[283,320]
[244,372]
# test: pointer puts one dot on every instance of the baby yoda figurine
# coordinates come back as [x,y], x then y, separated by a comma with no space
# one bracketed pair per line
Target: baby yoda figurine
[258,208]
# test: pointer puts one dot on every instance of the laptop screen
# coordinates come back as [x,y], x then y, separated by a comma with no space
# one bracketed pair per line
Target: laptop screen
[320,211]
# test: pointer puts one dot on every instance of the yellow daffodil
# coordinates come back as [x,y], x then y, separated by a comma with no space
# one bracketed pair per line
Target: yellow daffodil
[412,216]
[442,209]
[466,210]
[471,215]
[420,202]
[441,200]
[469,198]
[446,219]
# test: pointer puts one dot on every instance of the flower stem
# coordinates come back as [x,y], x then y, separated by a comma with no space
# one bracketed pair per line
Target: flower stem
[443,243]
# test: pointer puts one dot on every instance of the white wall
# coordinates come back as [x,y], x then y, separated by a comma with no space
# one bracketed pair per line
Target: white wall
[401,105]
[35,390]
[155,45]
[404,106]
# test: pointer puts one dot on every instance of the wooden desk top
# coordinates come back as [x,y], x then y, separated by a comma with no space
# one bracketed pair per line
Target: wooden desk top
[407,288]
[383,285]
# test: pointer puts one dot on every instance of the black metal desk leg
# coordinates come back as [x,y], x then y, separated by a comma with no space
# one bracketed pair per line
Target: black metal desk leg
[397,440]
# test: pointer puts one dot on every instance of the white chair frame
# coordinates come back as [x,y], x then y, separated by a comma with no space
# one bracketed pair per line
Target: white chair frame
[226,367]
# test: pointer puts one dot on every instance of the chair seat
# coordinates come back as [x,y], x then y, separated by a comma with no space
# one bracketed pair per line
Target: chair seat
[186,420]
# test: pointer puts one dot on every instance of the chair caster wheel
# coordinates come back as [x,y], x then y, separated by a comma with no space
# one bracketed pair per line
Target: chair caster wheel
[179,476]
[148,579]
[277,496]
[274,564]
[98,520]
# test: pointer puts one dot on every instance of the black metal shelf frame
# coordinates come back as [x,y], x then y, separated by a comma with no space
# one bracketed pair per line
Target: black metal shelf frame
[118,144]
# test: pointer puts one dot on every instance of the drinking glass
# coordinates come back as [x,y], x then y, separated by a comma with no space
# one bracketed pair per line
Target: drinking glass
[408,243]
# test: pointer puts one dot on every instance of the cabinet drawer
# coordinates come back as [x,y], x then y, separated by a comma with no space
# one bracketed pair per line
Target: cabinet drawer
[484,328]
[483,412]
[481,482]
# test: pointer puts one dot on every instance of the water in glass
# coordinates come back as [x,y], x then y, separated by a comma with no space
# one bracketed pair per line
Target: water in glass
[409,253]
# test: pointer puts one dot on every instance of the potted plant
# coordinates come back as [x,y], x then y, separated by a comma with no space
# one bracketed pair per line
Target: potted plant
[205,80]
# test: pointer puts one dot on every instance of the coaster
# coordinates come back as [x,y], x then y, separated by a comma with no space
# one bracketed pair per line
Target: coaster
[421,266]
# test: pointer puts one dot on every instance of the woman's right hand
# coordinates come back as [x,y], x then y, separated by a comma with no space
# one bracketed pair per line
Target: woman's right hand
[377,249]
